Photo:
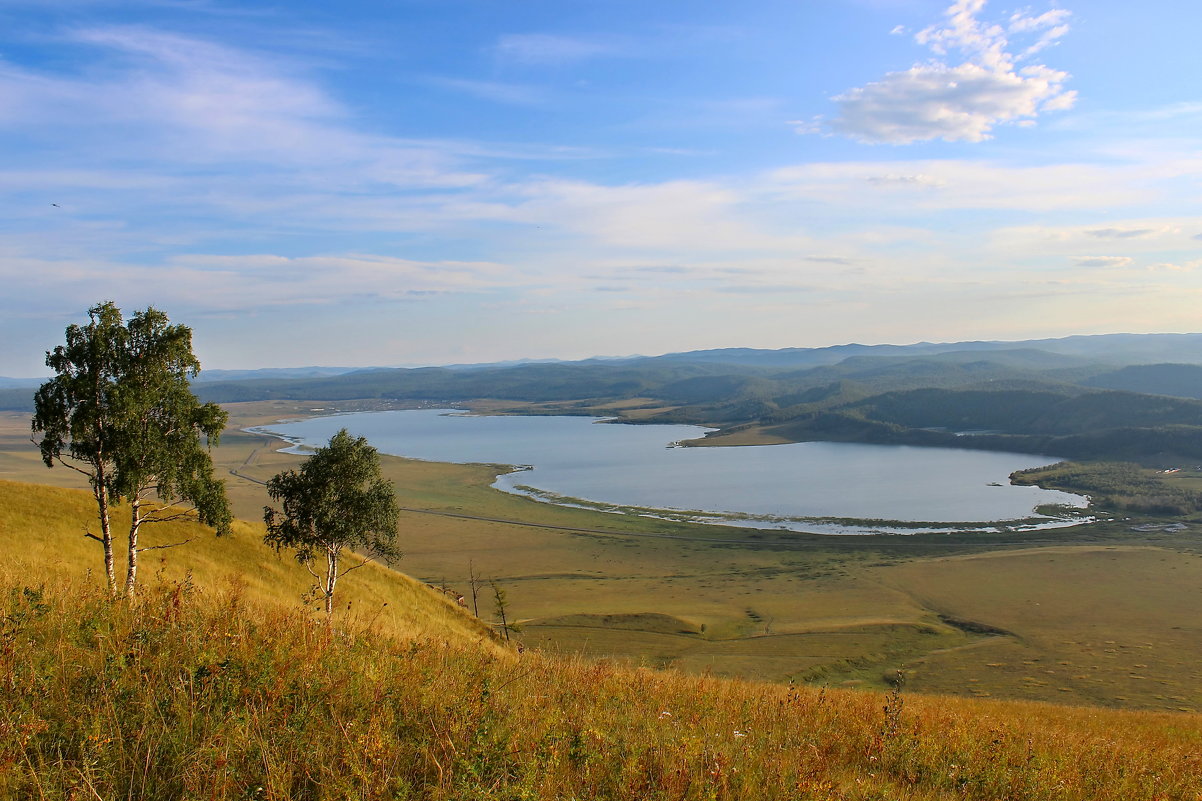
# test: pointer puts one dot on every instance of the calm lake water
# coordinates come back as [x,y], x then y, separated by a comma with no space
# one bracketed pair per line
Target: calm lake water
[797,486]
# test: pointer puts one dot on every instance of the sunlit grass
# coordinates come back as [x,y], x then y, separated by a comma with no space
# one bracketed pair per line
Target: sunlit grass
[42,529]
[197,692]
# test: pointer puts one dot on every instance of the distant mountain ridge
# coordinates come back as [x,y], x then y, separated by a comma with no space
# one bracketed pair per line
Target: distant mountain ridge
[1115,349]
[1111,348]
[1131,396]
[274,372]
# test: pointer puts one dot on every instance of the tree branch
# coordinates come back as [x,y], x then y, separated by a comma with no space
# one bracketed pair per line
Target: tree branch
[180,515]
[92,536]
[59,458]
[159,547]
[312,572]
[356,567]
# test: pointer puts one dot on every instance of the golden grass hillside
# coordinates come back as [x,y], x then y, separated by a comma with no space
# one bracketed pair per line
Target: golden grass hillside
[217,683]
[42,529]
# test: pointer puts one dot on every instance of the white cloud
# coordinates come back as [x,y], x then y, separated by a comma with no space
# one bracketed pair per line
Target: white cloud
[1176,267]
[965,101]
[1109,262]
[1147,236]
[1121,233]
[896,179]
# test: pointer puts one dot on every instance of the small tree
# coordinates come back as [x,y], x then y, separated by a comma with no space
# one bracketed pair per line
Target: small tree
[120,411]
[74,411]
[501,600]
[337,500]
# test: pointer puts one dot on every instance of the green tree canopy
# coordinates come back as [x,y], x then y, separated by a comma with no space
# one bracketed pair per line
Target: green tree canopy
[120,410]
[338,500]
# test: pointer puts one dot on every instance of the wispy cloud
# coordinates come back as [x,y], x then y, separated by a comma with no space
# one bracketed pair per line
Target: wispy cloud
[1176,267]
[181,102]
[959,102]
[1103,261]
[921,186]
[496,91]
[906,180]
[1120,233]
[1146,236]
[547,49]
[206,282]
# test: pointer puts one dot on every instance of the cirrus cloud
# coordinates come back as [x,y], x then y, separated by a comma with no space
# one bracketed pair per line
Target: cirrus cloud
[540,49]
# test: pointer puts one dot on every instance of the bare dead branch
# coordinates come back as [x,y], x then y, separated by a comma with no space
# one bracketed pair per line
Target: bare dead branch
[160,547]
[184,514]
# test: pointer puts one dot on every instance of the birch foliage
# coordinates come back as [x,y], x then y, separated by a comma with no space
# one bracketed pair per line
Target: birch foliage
[338,500]
[120,410]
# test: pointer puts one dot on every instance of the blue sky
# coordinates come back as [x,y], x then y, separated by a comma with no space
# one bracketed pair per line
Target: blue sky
[440,181]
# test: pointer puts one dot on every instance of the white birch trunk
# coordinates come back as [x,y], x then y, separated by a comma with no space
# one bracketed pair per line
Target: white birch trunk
[131,573]
[331,579]
[106,533]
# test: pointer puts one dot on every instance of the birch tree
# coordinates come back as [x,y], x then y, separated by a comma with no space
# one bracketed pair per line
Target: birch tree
[120,411]
[74,411]
[164,470]
[337,501]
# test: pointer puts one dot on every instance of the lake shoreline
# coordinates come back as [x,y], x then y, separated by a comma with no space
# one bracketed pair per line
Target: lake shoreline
[808,487]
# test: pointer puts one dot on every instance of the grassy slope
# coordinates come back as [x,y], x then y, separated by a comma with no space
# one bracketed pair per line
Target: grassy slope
[225,687]
[42,532]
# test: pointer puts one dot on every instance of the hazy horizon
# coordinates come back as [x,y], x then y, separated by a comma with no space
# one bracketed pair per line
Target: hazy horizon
[207,370]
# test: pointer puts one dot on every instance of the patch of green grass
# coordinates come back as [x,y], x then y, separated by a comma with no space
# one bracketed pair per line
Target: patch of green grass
[1109,625]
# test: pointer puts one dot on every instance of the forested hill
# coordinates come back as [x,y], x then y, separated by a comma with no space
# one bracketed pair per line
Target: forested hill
[1102,396]
[1179,380]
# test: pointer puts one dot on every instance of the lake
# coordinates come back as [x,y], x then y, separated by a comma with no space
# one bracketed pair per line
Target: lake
[827,487]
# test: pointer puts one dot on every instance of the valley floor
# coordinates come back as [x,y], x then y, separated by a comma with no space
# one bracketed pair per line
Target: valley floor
[1095,615]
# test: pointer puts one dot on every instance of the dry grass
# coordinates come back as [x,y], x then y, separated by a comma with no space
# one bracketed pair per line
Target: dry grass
[42,531]
[218,682]
[1107,625]
[198,693]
